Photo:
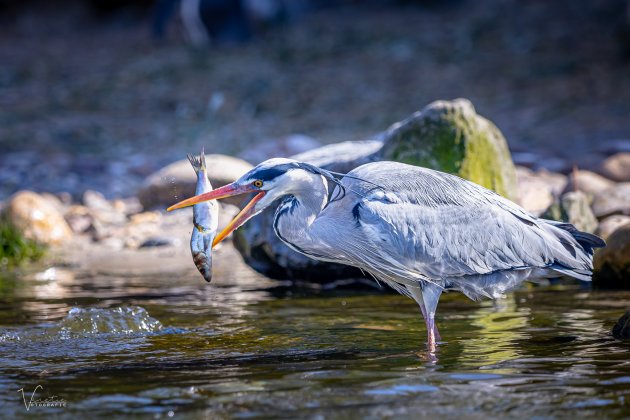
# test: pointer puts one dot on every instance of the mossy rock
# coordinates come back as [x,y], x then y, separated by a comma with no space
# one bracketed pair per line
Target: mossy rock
[450,137]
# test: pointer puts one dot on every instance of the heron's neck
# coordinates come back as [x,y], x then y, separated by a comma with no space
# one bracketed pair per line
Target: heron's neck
[295,216]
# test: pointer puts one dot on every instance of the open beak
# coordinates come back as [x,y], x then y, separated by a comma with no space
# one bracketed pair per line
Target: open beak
[224,192]
[242,217]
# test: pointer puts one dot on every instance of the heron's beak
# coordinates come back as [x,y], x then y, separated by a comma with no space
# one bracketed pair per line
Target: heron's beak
[228,190]
[244,215]
[224,192]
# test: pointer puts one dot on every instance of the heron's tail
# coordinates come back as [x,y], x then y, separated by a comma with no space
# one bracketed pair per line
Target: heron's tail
[574,256]
[198,163]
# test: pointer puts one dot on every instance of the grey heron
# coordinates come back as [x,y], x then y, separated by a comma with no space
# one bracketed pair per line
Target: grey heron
[418,230]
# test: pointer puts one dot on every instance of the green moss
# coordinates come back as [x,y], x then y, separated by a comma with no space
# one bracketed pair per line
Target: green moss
[451,137]
[14,248]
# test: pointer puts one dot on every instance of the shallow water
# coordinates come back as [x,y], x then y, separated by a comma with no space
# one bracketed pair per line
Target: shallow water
[249,347]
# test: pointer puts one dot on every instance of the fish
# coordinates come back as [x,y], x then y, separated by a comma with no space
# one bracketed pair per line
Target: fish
[205,220]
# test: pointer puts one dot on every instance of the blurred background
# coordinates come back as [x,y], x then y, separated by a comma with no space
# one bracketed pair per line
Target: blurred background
[98,94]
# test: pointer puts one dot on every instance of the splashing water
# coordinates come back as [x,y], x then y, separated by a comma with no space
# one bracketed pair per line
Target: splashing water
[120,320]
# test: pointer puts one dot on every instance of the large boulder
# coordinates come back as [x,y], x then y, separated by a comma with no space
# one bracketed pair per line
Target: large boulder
[612,264]
[37,219]
[177,181]
[451,137]
[448,136]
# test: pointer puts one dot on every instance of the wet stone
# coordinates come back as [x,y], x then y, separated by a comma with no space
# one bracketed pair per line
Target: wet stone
[622,327]
[612,263]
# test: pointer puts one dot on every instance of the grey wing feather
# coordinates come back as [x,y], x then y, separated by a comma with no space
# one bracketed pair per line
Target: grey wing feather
[441,227]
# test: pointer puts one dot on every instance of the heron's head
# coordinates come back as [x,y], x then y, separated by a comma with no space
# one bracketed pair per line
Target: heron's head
[270,180]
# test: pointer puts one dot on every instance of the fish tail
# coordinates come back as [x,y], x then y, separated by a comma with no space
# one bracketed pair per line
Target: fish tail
[198,163]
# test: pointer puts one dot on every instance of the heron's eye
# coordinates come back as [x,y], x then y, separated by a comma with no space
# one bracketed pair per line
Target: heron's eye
[258,183]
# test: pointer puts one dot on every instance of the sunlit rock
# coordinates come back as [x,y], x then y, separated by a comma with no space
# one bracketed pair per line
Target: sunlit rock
[588,182]
[614,200]
[537,190]
[451,137]
[37,219]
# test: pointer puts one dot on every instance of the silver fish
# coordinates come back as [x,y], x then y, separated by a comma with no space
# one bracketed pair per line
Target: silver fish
[205,220]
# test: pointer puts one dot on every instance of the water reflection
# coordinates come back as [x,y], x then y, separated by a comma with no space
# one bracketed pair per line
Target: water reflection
[243,345]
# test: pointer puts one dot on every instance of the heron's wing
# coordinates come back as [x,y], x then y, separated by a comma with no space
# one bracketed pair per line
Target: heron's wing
[441,226]
[450,241]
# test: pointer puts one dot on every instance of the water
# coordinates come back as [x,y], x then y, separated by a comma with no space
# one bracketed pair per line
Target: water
[248,347]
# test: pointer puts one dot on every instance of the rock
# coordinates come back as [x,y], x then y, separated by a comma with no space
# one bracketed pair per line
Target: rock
[612,264]
[451,137]
[621,329]
[101,209]
[127,206]
[617,167]
[79,219]
[177,180]
[537,190]
[573,207]
[611,224]
[282,147]
[614,200]
[37,219]
[588,182]
[448,136]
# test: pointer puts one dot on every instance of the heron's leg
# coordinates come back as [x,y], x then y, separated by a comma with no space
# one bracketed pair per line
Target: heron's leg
[431,296]
[416,293]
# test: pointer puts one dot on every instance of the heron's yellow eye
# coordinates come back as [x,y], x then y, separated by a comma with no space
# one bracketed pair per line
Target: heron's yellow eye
[258,183]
